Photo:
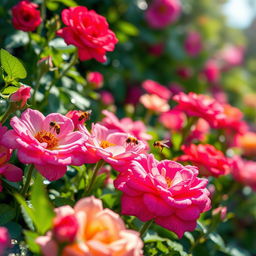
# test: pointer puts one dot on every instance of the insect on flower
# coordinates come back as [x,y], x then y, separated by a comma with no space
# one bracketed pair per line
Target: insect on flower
[161,144]
[55,126]
[85,115]
[132,140]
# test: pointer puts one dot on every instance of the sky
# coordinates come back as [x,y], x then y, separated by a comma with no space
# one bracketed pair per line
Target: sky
[239,13]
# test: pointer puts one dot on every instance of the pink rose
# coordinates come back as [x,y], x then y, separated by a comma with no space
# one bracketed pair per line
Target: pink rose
[107,98]
[95,79]
[78,117]
[165,191]
[21,95]
[154,103]
[212,71]
[221,211]
[89,32]
[201,106]
[209,160]
[100,232]
[173,119]
[5,240]
[25,16]
[49,143]
[153,87]
[193,43]
[162,13]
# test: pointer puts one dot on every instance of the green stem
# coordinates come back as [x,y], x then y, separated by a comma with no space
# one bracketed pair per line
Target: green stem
[145,227]
[28,179]
[6,115]
[94,176]
[37,85]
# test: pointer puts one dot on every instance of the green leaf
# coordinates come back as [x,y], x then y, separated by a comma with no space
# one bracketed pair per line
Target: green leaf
[42,208]
[7,213]
[69,3]
[128,28]
[12,66]
[9,90]
[30,240]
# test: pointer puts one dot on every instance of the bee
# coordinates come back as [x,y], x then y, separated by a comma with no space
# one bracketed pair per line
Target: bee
[85,115]
[132,140]
[55,126]
[161,144]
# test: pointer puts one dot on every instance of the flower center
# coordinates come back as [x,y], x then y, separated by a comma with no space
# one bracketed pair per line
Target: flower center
[106,144]
[168,182]
[47,137]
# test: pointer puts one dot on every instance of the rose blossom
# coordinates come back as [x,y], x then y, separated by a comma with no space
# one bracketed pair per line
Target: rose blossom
[89,32]
[21,95]
[201,106]
[244,171]
[154,103]
[193,43]
[25,16]
[221,211]
[212,71]
[107,98]
[153,87]
[109,145]
[162,13]
[209,160]
[95,79]
[165,191]
[78,117]
[100,232]
[173,119]
[5,240]
[47,142]
[126,125]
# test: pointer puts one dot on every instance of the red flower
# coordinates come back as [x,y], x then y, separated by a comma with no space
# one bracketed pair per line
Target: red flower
[25,16]
[89,32]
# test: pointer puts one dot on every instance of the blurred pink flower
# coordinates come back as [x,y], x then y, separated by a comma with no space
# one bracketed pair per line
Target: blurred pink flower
[133,94]
[106,98]
[175,88]
[162,13]
[209,160]
[193,43]
[198,131]
[78,117]
[247,142]
[201,106]
[184,72]
[95,79]
[100,232]
[153,87]
[154,103]
[173,119]
[244,171]
[156,49]
[126,125]
[21,95]
[211,71]
[109,145]
[222,211]
[5,240]
[165,191]
[49,143]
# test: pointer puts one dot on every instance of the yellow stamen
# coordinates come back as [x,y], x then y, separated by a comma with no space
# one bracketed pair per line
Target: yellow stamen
[47,137]
[169,182]
[106,144]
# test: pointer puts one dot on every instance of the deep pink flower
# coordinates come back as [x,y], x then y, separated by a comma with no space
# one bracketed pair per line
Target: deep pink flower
[162,13]
[209,160]
[100,232]
[126,125]
[156,49]
[173,119]
[201,106]
[49,143]
[175,88]
[193,43]
[109,145]
[153,87]
[154,103]
[5,240]
[95,79]
[165,191]
[244,171]
[211,71]
[89,32]
[133,94]
[21,95]
[25,16]
[78,117]
[184,72]
[107,98]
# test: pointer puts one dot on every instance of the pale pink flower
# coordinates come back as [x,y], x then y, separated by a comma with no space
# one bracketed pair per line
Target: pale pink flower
[111,146]
[193,43]
[5,240]
[107,98]
[165,191]
[244,171]
[153,87]
[173,119]
[162,13]
[154,103]
[100,232]
[126,125]
[95,79]
[201,106]
[211,71]
[209,160]
[48,245]
[49,143]
[21,95]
